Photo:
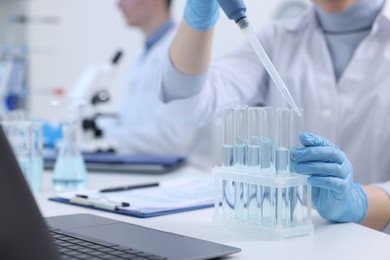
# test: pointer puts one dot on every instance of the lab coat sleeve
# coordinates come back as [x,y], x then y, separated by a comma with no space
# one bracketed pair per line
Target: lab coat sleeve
[386,187]
[180,86]
[238,78]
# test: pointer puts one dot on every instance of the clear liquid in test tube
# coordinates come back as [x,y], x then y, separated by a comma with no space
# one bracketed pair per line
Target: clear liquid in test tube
[296,128]
[282,163]
[282,153]
[240,154]
[228,139]
[296,210]
[240,135]
[267,137]
[228,160]
[253,158]
[265,195]
[253,162]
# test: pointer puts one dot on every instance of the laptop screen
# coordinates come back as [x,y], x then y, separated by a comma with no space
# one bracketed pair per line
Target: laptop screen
[23,232]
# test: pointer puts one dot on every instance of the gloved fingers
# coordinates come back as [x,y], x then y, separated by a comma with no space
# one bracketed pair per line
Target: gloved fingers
[309,139]
[323,169]
[201,15]
[339,186]
[318,154]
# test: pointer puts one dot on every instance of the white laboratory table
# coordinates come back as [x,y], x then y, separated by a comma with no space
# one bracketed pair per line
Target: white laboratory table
[329,241]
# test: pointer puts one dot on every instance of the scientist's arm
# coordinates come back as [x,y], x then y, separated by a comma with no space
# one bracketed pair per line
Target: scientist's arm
[193,92]
[378,215]
[190,52]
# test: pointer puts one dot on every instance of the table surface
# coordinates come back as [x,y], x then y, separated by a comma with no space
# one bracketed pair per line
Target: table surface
[329,240]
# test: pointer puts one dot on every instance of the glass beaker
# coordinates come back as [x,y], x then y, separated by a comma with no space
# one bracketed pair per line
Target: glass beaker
[69,170]
[25,138]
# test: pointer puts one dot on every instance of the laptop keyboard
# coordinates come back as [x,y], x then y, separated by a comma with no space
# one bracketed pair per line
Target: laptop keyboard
[73,246]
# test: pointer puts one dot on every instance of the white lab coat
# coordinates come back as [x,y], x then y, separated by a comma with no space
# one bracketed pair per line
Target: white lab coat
[143,129]
[353,113]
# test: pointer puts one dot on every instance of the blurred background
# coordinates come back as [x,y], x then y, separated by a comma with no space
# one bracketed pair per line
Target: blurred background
[47,44]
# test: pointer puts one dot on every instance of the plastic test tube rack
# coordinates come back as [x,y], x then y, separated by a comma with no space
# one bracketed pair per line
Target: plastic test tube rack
[256,188]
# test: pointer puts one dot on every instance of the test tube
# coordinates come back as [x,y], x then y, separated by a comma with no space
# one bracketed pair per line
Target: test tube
[240,135]
[282,163]
[240,144]
[253,161]
[228,192]
[267,132]
[282,153]
[265,197]
[296,128]
[228,139]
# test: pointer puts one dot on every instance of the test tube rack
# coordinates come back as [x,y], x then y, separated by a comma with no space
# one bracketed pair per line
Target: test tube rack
[271,206]
[257,188]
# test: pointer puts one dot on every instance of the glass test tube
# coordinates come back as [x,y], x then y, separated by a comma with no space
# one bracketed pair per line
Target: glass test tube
[296,126]
[282,163]
[253,159]
[228,196]
[296,208]
[265,194]
[240,134]
[253,162]
[240,154]
[282,153]
[228,139]
[267,132]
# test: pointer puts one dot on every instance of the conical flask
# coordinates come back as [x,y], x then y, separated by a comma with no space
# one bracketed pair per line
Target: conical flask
[69,171]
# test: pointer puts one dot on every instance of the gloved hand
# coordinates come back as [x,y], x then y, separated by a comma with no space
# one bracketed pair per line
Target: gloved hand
[52,133]
[334,194]
[201,15]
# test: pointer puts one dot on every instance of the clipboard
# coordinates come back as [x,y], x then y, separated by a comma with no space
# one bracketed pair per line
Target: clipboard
[179,195]
[124,163]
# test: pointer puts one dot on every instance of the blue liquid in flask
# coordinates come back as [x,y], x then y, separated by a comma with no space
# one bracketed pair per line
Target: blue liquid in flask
[70,173]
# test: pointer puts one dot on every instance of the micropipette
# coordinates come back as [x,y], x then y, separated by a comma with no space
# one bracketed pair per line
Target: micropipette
[236,10]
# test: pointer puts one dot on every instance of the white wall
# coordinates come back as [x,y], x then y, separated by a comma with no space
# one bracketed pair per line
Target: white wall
[89,31]
[11,34]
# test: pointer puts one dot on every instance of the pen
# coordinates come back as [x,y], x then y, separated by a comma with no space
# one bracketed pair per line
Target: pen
[95,204]
[123,204]
[130,187]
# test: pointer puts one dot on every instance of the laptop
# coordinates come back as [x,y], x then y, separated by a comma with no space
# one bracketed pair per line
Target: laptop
[24,233]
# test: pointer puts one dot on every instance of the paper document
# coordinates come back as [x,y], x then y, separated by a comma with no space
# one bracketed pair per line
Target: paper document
[182,194]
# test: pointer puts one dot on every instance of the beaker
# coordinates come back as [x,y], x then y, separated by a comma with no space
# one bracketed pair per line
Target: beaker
[69,170]
[25,138]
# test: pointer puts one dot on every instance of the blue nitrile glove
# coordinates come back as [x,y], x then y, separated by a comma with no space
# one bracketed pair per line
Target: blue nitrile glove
[201,15]
[334,194]
[52,133]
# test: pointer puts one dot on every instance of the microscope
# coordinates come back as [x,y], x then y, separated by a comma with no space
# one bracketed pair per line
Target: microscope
[93,87]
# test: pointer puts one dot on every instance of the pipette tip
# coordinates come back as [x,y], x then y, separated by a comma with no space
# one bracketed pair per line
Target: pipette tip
[297,111]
